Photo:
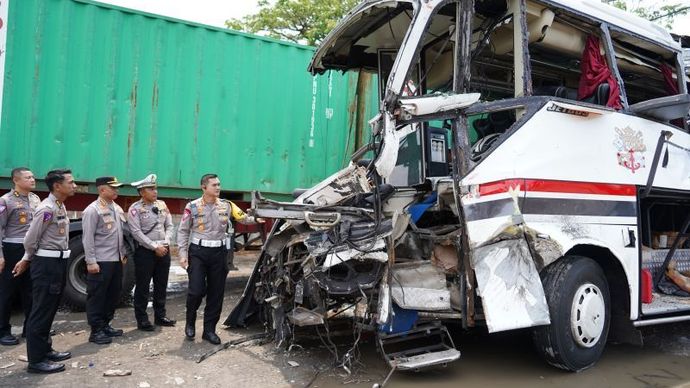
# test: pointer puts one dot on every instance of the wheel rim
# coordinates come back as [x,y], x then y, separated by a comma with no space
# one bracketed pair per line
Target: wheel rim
[77,274]
[588,315]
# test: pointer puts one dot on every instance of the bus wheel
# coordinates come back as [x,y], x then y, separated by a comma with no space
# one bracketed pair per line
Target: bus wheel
[579,304]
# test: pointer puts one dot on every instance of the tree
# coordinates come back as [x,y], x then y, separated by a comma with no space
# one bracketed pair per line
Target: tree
[663,13]
[300,21]
[308,21]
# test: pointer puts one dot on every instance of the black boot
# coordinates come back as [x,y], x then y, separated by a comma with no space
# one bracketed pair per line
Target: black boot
[8,339]
[211,337]
[189,329]
[165,321]
[45,366]
[100,337]
[112,332]
[56,356]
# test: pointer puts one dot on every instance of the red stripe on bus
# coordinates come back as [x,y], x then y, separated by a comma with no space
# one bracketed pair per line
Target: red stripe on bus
[550,186]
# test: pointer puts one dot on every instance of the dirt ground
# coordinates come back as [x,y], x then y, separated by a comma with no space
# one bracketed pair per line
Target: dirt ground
[165,358]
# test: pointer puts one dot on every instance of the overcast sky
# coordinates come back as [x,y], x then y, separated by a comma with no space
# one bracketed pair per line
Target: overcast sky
[211,12]
[215,12]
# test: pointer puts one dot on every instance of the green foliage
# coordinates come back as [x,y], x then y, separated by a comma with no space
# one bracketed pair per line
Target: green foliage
[663,13]
[300,21]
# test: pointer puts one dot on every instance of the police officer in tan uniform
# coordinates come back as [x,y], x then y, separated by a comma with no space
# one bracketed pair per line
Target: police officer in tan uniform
[105,256]
[46,247]
[151,226]
[203,239]
[16,212]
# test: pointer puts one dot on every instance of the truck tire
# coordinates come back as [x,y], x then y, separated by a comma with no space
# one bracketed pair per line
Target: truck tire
[579,304]
[74,295]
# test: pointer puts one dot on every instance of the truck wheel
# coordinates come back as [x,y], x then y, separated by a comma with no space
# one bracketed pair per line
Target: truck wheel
[579,304]
[74,295]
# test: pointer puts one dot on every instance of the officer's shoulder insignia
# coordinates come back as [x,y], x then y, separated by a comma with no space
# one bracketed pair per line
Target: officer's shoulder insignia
[161,205]
[2,206]
[47,215]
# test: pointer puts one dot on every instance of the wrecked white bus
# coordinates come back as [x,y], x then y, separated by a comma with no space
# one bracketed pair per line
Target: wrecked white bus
[529,168]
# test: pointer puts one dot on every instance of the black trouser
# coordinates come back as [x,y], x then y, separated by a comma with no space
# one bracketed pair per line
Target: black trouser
[11,286]
[48,280]
[207,270]
[147,266]
[103,294]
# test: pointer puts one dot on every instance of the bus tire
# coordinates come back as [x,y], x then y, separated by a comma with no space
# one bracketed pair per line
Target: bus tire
[579,305]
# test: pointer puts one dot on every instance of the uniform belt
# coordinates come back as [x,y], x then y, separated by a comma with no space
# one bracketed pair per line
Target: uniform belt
[52,253]
[13,240]
[161,242]
[208,243]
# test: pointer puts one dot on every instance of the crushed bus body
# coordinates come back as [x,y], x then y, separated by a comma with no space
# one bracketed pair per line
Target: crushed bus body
[524,159]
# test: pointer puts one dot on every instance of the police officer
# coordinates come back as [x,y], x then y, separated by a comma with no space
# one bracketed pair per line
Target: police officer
[203,239]
[46,247]
[105,256]
[16,212]
[151,226]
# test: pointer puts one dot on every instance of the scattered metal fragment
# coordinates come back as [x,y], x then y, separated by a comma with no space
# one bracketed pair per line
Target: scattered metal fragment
[232,343]
[117,372]
[300,316]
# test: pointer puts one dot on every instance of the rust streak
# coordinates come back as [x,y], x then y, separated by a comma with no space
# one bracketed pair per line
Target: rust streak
[154,99]
[133,96]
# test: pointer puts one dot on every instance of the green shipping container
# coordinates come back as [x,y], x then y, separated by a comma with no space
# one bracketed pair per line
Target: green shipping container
[110,91]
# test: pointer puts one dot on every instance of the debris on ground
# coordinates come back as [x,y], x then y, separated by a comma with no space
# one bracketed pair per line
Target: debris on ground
[117,372]
[232,343]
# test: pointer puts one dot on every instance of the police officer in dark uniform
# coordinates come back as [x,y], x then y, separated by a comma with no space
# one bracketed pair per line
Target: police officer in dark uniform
[151,226]
[16,212]
[46,247]
[104,247]
[203,239]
